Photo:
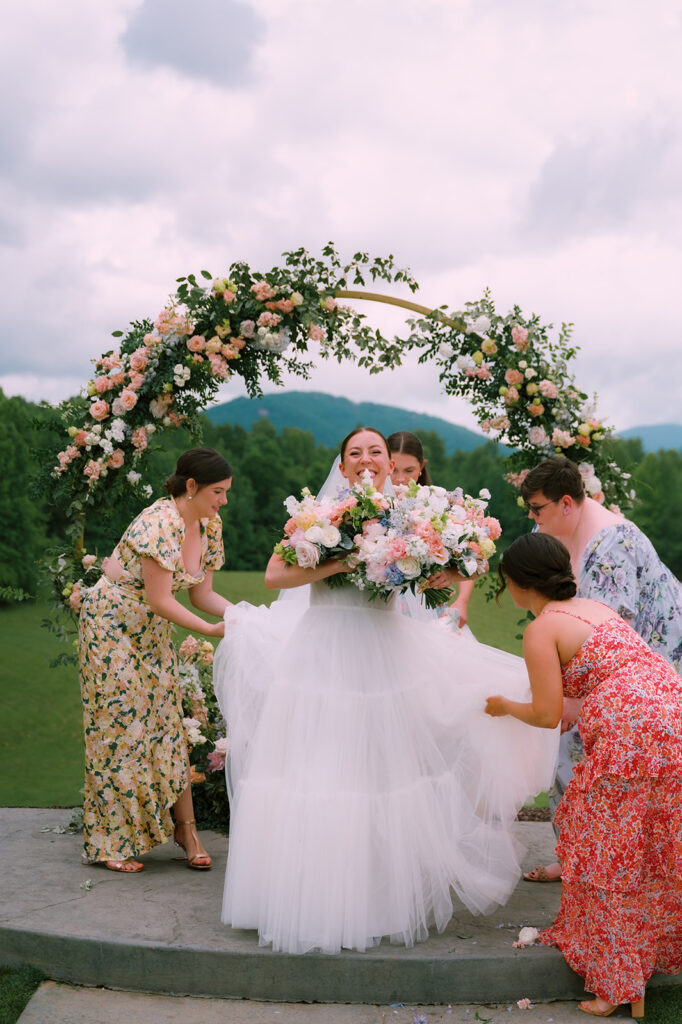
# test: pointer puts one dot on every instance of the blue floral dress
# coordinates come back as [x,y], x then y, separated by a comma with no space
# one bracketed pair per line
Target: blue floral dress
[135,747]
[620,568]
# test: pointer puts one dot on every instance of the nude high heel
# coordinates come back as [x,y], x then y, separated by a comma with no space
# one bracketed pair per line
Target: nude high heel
[200,861]
[636,1009]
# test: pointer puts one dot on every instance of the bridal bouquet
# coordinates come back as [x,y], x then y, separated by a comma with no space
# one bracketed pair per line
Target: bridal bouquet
[423,530]
[391,544]
[318,530]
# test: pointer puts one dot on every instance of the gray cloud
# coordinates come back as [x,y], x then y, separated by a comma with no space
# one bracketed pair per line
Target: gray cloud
[604,181]
[213,40]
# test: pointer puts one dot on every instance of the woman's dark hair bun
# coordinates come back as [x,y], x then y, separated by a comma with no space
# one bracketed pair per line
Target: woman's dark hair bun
[539,562]
[205,465]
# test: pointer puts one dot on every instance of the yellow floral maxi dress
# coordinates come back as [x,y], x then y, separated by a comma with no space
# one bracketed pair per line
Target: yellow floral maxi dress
[135,748]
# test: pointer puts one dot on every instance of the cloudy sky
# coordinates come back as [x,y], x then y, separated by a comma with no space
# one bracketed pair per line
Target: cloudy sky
[530,146]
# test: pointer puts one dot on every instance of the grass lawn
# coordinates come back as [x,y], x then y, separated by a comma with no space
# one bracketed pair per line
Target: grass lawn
[41,744]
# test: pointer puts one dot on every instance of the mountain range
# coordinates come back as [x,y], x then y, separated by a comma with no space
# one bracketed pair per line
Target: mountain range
[329,418]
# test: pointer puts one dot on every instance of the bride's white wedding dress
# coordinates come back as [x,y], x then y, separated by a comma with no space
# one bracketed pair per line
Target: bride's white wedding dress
[367,785]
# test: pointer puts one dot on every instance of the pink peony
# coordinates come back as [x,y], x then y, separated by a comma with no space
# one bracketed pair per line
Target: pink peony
[315,333]
[139,359]
[562,438]
[246,328]
[76,598]
[513,377]
[196,343]
[99,410]
[216,761]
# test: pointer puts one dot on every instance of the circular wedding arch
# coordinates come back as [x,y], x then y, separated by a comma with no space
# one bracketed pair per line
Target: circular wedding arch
[511,368]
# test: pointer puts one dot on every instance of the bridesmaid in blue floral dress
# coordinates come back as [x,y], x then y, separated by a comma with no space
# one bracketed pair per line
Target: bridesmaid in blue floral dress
[615,563]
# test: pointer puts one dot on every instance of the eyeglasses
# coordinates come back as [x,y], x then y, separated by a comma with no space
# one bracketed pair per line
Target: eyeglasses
[537,509]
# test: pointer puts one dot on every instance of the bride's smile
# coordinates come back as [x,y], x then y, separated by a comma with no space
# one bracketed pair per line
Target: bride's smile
[366,451]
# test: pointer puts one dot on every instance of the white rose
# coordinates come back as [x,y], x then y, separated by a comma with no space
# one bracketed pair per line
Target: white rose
[484,493]
[481,325]
[446,351]
[409,567]
[528,936]
[470,566]
[307,554]
[464,363]
[221,745]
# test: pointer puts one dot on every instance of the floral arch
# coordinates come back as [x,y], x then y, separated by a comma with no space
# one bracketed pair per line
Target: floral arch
[256,325]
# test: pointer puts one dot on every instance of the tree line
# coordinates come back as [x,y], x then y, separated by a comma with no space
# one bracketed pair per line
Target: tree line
[269,465]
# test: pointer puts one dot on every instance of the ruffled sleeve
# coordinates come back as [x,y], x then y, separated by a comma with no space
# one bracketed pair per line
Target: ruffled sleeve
[157,533]
[215,552]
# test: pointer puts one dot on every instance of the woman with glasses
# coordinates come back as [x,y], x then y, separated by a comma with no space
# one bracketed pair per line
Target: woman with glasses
[613,562]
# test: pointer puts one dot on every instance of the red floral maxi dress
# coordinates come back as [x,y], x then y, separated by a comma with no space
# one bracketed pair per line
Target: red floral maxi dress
[620,819]
[135,747]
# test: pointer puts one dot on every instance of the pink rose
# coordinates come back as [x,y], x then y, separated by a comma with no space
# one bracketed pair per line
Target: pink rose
[329,304]
[307,554]
[263,291]
[536,410]
[548,389]
[150,340]
[136,380]
[269,319]
[128,399]
[216,761]
[88,560]
[99,410]
[116,459]
[520,338]
[246,328]
[76,598]
[196,343]
[139,439]
[315,333]
[138,359]
[513,377]
[102,384]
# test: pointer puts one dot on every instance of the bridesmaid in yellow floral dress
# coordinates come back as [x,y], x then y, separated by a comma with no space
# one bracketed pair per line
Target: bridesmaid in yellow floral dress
[136,763]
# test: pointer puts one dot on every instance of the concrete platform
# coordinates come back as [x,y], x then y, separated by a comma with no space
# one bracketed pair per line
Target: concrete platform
[54,1003]
[160,932]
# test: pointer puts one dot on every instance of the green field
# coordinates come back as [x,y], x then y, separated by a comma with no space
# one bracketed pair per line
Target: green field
[41,745]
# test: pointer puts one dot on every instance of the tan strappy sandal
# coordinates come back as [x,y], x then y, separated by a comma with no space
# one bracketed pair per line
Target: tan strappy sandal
[200,861]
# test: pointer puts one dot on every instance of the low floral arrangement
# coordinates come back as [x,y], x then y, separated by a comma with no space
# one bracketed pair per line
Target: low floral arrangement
[205,733]
[391,544]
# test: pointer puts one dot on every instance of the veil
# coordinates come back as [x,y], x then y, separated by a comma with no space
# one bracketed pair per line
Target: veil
[334,483]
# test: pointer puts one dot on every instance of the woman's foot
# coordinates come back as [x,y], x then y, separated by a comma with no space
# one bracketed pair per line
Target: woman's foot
[128,866]
[186,838]
[551,873]
[600,1008]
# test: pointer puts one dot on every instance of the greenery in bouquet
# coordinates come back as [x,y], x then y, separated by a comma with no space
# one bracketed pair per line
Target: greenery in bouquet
[516,377]
[318,530]
[423,530]
[205,733]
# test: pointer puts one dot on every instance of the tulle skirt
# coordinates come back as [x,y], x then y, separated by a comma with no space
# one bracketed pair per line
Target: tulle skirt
[367,786]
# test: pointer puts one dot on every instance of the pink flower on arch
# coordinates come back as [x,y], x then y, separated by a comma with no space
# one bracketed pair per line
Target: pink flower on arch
[548,389]
[520,338]
[315,333]
[116,459]
[513,377]
[99,410]
[93,471]
[196,343]
[139,359]
[139,440]
[536,410]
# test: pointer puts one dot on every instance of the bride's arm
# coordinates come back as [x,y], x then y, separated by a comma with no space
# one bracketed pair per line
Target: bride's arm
[279,575]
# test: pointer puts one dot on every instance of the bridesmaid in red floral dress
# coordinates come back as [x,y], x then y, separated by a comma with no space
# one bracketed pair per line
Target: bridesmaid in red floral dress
[620,819]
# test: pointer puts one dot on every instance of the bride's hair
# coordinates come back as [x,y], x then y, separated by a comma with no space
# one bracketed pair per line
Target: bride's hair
[403,442]
[359,430]
[205,465]
[539,562]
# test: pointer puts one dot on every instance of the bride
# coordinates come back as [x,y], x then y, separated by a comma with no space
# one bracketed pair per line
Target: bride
[368,788]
